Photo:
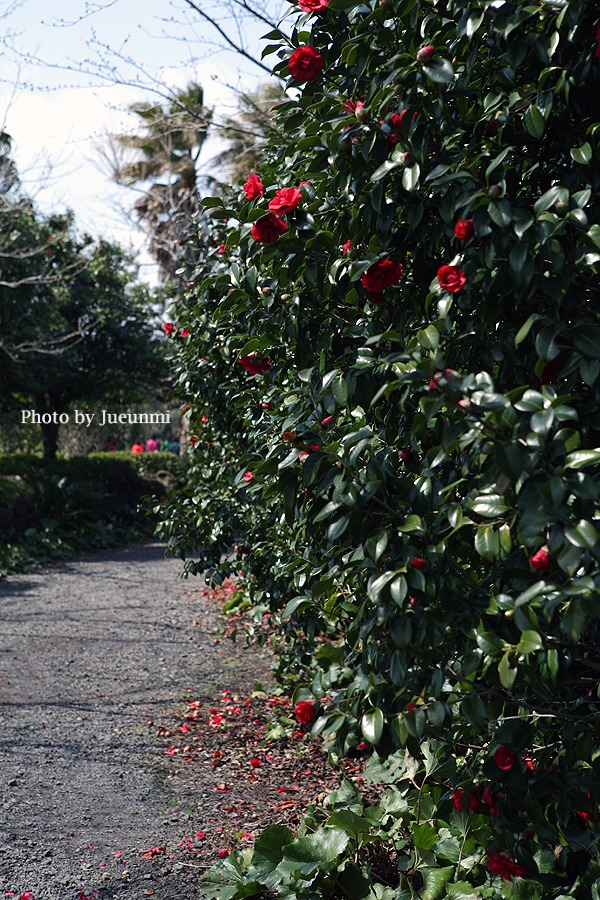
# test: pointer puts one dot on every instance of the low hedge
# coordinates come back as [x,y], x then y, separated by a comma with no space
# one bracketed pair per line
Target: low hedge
[51,509]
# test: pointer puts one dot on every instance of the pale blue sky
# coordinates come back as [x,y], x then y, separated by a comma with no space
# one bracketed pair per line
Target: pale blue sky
[56,109]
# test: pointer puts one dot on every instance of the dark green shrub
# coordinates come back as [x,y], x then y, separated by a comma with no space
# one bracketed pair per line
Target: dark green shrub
[424,472]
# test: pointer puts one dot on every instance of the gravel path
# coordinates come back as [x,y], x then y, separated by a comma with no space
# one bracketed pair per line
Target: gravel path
[90,651]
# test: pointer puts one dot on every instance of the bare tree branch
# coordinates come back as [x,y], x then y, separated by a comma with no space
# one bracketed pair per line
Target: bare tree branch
[41,345]
[225,36]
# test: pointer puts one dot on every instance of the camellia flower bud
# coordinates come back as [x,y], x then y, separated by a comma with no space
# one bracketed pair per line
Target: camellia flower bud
[540,560]
[408,158]
[561,208]
[361,113]
[425,54]
[495,191]
[406,455]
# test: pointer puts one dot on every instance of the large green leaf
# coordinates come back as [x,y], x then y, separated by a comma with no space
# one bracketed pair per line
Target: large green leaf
[424,836]
[324,845]
[372,724]
[268,848]
[435,881]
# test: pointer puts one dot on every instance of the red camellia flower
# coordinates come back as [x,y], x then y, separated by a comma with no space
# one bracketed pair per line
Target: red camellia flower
[451,278]
[456,800]
[464,229]
[168,326]
[490,798]
[247,476]
[223,854]
[305,63]
[268,229]
[421,564]
[425,53]
[137,448]
[493,126]
[350,105]
[184,332]
[285,200]
[540,561]
[305,711]
[253,187]
[381,275]
[473,800]
[397,120]
[504,758]
[347,246]
[410,707]
[255,366]
[309,6]
[255,763]
[550,372]
[506,868]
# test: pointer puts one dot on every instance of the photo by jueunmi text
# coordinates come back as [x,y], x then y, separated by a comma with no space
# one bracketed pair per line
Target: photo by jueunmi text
[31,417]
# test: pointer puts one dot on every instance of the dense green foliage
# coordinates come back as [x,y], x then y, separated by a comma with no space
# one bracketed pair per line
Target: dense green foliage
[51,509]
[76,327]
[417,466]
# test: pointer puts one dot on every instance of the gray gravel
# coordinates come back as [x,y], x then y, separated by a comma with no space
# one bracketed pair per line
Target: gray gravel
[90,651]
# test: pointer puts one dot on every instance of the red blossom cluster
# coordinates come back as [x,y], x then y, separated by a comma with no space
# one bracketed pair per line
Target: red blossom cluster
[506,868]
[285,200]
[313,6]
[253,365]
[540,560]
[305,711]
[305,64]
[253,188]
[268,229]
[464,229]
[451,278]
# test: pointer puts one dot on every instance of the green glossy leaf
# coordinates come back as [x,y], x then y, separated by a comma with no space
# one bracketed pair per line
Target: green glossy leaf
[439,70]
[534,122]
[506,673]
[339,389]
[410,177]
[582,458]
[486,542]
[372,724]
[490,506]
[582,154]
[530,642]
[473,709]
[587,341]
[398,589]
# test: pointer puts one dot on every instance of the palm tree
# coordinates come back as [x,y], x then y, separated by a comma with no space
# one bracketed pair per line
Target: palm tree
[248,131]
[164,156]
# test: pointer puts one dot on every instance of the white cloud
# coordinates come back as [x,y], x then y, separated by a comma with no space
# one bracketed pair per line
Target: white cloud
[55,132]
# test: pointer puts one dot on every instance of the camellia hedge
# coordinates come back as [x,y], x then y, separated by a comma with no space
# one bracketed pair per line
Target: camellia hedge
[392,378]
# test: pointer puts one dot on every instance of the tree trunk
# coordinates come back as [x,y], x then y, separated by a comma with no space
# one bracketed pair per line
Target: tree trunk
[44,406]
[49,439]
